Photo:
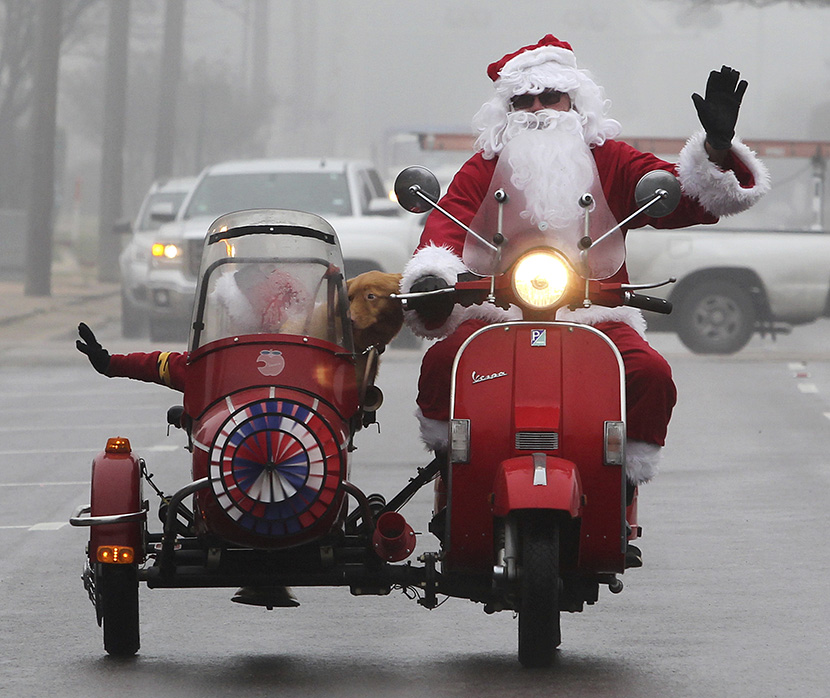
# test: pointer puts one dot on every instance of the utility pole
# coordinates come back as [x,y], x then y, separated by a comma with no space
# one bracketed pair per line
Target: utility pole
[112,149]
[42,200]
[171,65]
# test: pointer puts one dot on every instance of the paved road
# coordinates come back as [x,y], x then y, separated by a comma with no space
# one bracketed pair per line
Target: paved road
[732,600]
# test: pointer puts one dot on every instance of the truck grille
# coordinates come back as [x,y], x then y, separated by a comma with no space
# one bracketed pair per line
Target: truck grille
[537,441]
[194,257]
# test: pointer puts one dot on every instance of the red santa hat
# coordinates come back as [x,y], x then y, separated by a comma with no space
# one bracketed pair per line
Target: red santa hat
[548,48]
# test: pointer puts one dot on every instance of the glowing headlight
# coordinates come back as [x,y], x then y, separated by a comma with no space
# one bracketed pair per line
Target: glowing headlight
[540,279]
[167,251]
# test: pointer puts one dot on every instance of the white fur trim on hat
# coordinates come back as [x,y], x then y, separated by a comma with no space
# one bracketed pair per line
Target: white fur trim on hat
[435,433]
[543,54]
[642,461]
[599,313]
[719,191]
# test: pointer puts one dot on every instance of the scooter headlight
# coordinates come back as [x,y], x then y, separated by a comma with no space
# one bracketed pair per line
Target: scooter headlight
[540,279]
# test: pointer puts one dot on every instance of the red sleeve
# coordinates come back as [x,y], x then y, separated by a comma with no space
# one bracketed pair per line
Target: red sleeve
[463,198]
[621,166]
[162,367]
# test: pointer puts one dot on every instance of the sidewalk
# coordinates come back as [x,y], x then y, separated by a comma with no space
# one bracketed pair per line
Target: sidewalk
[70,286]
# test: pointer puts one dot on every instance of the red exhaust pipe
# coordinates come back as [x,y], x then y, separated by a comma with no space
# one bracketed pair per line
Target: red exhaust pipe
[394,539]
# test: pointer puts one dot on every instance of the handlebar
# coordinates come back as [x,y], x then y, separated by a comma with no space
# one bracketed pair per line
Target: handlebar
[644,302]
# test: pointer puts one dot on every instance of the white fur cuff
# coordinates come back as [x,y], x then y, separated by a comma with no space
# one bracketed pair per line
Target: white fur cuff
[719,191]
[642,461]
[435,433]
[433,261]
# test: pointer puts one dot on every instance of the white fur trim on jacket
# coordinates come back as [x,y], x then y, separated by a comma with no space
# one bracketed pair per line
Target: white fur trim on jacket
[435,433]
[642,461]
[433,260]
[599,313]
[719,191]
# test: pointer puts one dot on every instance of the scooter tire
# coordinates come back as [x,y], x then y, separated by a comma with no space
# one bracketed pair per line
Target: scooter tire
[539,628]
[117,592]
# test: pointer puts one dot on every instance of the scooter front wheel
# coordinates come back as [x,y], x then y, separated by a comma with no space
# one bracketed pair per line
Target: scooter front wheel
[116,588]
[539,630]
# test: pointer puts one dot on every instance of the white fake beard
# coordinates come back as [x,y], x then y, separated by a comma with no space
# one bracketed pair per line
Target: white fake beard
[551,164]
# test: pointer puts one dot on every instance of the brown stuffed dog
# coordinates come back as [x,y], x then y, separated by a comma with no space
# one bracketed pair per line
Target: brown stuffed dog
[376,318]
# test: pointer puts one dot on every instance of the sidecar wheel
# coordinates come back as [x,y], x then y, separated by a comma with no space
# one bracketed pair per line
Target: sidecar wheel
[539,631]
[117,591]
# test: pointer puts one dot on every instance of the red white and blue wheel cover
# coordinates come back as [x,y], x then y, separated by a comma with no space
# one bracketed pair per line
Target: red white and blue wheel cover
[275,467]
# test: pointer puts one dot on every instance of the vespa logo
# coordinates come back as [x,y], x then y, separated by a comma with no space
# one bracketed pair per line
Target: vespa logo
[477,378]
[270,362]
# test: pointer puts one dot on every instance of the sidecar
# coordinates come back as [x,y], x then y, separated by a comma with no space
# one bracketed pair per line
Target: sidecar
[271,405]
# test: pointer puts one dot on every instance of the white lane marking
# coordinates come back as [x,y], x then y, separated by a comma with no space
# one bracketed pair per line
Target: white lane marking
[797,366]
[159,448]
[808,387]
[76,427]
[46,526]
[49,526]
[827,414]
[45,484]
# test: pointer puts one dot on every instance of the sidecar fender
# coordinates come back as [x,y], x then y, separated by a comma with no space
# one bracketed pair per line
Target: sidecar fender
[116,489]
[537,481]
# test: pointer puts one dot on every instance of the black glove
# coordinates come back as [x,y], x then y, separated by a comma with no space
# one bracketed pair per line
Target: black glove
[718,112]
[87,344]
[433,310]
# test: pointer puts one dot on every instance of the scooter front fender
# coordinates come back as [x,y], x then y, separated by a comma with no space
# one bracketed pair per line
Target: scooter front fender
[537,481]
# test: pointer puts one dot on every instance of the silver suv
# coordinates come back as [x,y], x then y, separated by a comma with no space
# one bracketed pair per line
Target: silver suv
[160,205]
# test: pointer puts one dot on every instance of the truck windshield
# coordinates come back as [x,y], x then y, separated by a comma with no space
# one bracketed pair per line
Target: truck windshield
[323,193]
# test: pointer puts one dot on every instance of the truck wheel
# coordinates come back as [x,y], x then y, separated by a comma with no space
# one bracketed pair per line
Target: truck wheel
[717,317]
[117,592]
[133,319]
[539,631]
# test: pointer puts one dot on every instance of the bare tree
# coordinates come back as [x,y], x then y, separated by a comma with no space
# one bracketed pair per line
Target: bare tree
[18,22]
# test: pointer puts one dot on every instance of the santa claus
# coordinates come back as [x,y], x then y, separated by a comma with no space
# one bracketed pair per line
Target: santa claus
[554,118]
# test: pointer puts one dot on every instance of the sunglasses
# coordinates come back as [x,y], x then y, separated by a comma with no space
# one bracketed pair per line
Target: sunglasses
[547,98]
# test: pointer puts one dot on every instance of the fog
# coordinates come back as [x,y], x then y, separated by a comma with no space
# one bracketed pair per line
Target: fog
[341,75]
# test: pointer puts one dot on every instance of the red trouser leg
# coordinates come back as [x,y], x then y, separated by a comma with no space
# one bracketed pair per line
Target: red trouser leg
[650,390]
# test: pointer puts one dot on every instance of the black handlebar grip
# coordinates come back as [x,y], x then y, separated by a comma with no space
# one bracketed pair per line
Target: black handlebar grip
[655,305]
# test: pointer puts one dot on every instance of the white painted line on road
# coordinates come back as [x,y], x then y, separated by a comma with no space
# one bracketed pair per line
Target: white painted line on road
[46,526]
[44,484]
[91,451]
[49,526]
[827,414]
[76,427]
[797,366]
[808,387]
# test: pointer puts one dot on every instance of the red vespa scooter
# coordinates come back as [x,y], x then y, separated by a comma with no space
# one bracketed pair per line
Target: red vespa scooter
[532,504]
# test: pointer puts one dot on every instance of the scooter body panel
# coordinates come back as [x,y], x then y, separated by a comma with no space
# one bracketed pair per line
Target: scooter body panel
[536,387]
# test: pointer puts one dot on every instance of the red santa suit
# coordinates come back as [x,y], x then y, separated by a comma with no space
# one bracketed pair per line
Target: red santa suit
[708,193]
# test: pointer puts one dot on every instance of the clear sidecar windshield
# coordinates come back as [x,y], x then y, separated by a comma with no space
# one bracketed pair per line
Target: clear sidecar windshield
[270,271]
[525,228]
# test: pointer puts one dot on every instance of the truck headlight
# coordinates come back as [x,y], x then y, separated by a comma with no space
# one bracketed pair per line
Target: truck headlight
[540,279]
[161,250]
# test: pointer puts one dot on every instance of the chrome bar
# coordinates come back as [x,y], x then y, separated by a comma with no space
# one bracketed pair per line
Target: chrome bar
[81,517]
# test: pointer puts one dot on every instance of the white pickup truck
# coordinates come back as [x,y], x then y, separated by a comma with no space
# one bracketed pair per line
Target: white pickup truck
[373,231]
[764,270]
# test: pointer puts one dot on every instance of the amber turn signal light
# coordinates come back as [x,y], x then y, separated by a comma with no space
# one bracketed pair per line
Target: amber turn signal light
[116,554]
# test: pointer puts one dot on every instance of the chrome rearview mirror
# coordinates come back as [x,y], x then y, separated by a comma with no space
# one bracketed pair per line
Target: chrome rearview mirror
[415,184]
[661,188]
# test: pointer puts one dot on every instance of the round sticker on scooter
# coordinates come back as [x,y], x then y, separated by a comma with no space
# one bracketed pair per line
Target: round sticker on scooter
[270,362]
